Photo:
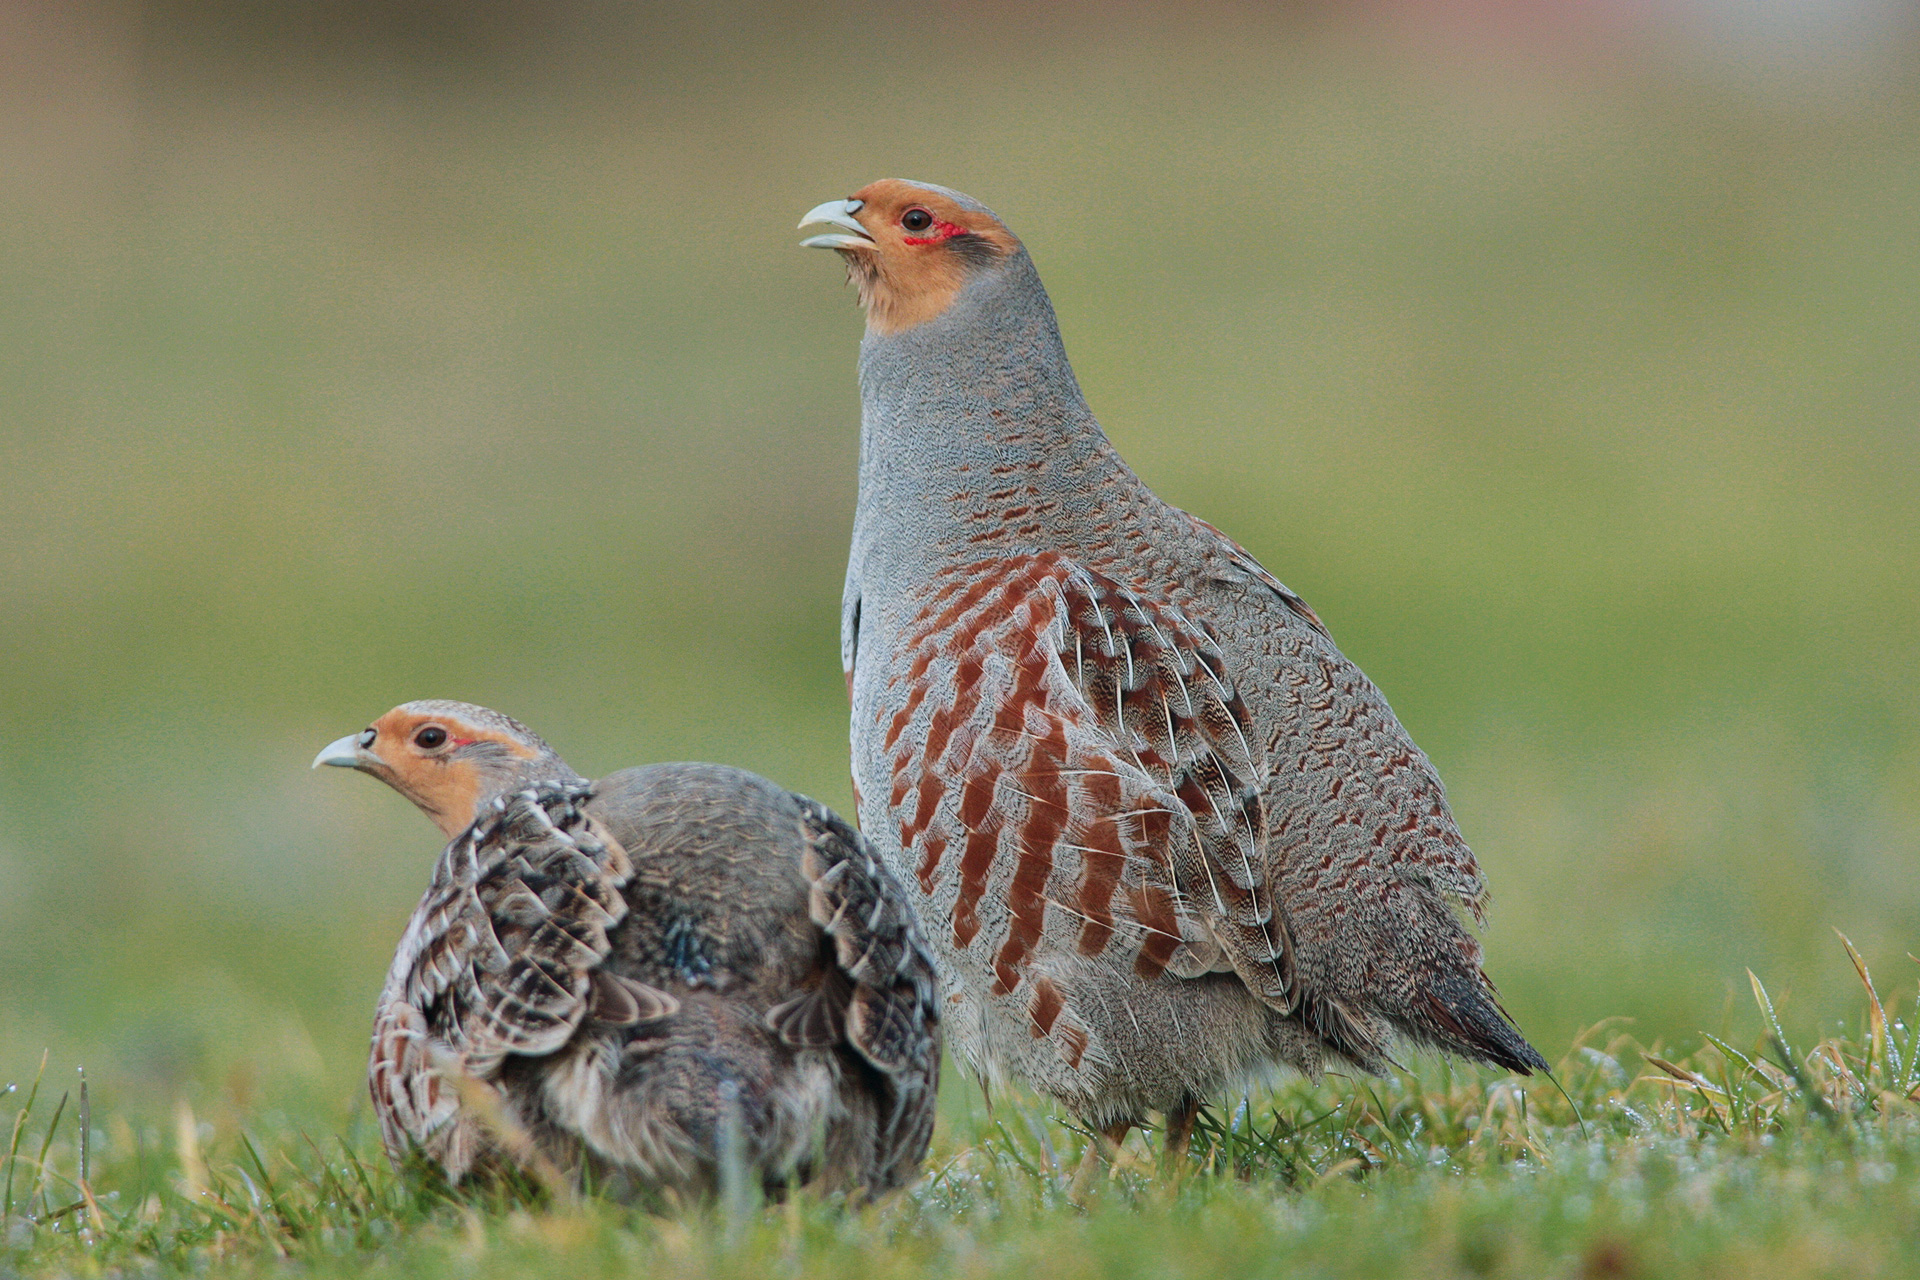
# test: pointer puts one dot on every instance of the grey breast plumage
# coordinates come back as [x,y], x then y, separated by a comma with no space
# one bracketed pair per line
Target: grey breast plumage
[671,972]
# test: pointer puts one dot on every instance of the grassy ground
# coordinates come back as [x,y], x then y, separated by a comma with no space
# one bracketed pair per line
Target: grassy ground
[1771,1158]
[476,360]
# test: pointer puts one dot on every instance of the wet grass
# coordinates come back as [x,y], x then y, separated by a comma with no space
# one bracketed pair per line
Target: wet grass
[1792,1159]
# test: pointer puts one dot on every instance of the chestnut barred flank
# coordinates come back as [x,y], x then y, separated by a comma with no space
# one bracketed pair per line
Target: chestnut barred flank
[1104,768]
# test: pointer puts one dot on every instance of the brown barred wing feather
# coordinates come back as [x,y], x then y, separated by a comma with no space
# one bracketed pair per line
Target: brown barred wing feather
[1157,685]
[1073,772]
[878,996]
[500,958]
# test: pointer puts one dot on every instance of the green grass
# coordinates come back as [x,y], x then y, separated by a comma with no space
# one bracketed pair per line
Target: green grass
[1761,1158]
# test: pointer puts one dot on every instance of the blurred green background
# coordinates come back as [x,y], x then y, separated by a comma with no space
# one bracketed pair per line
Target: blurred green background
[1563,357]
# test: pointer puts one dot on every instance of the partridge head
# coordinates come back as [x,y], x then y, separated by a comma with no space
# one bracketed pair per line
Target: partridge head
[449,758]
[910,248]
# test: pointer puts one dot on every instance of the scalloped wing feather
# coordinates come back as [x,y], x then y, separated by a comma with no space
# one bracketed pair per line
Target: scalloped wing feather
[1071,762]
[498,959]
[1368,863]
[880,998]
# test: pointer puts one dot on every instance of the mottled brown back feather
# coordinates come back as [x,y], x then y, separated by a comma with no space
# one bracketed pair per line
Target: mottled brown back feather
[884,992]
[498,959]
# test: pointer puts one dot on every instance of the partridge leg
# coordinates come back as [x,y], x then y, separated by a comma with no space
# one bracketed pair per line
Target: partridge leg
[1180,1128]
[1104,1148]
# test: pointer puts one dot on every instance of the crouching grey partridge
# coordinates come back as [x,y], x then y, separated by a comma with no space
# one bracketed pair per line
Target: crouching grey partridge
[1160,832]
[668,975]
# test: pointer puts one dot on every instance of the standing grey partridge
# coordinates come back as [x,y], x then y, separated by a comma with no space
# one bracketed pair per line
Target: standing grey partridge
[1164,835]
[669,973]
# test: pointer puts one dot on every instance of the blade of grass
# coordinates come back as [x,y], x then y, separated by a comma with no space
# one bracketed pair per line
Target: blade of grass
[1578,1119]
[1889,1051]
[359,1173]
[1912,1076]
[53,1127]
[95,1212]
[1732,1053]
[13,1156]
[1766,1006]
[1380,1117]
[1735,1096]
[1682,1074]
[1815,1102]
[19,1128]
[1039,1131]
[266,1180]
[186,1135]
[1013,1149]
[86,1123]
[55,1215]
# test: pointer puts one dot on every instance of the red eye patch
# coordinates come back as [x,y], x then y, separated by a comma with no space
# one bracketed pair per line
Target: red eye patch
[937,232]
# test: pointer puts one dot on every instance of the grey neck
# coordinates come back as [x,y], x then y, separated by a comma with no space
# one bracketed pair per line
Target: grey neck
[508,774]
[986,384]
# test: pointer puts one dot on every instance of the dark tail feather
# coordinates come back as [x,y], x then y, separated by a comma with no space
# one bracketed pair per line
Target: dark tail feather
[1457,1012]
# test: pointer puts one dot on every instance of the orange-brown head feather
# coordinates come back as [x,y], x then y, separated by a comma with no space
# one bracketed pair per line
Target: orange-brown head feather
[449,758]
[926,242]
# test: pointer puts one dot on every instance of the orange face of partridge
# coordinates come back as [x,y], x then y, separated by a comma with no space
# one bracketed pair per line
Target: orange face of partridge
[428,757]
[911,251]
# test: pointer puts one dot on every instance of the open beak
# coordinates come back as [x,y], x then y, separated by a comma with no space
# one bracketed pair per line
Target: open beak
[838,213]
[346,753]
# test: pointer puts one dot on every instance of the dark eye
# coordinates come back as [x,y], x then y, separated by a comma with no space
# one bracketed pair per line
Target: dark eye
[916,219]
[430,737]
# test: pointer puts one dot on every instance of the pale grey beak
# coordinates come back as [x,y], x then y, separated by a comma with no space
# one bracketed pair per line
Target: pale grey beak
[343,753]
[838,213]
